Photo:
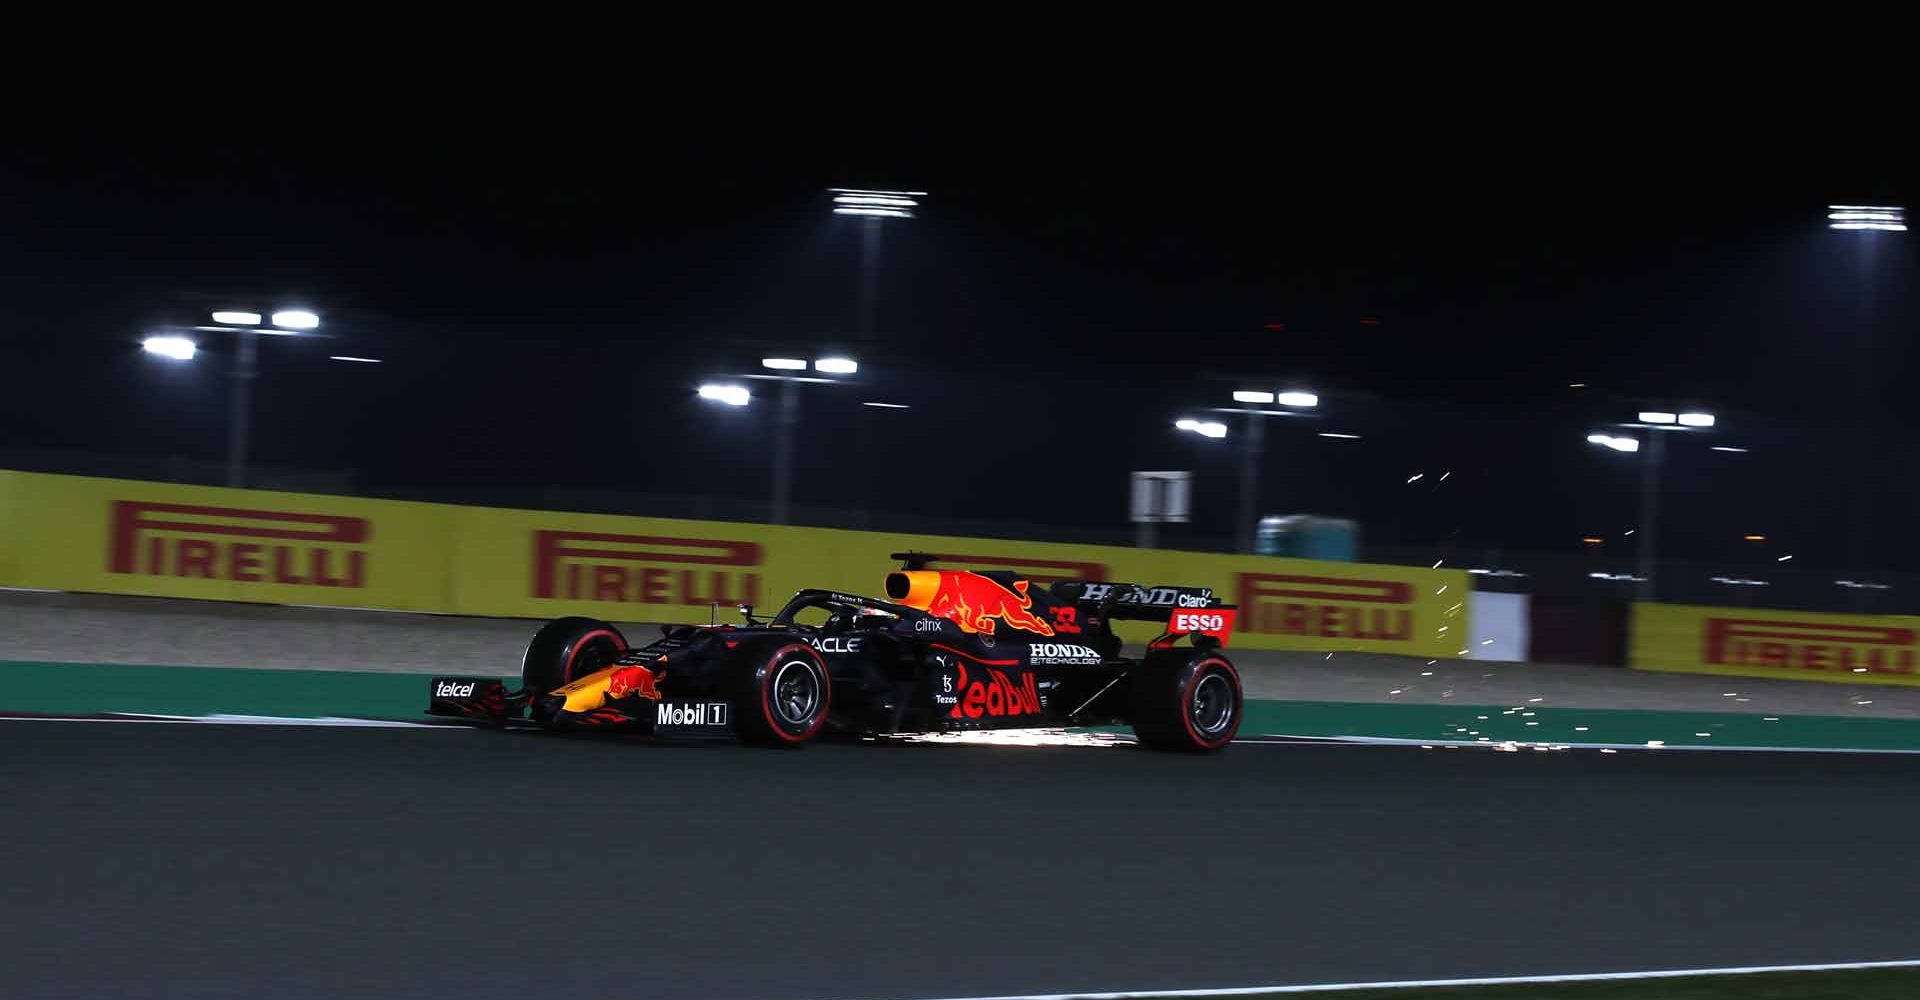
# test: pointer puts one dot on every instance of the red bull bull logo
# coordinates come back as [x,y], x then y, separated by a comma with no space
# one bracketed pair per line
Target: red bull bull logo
[967,599]
[634,680]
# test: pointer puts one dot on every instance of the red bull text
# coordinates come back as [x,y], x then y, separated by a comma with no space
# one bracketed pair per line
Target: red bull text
[996,696]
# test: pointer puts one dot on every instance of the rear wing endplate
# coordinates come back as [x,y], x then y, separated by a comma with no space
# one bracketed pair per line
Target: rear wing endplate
[1186,612]
[1137,603]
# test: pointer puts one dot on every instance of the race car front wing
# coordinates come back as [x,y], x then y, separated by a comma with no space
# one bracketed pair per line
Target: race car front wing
[486,701]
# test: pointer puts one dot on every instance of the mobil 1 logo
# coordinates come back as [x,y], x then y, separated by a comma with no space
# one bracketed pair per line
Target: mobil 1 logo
[693,718]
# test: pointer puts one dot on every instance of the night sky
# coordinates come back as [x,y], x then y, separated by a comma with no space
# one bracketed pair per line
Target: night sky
[545,313]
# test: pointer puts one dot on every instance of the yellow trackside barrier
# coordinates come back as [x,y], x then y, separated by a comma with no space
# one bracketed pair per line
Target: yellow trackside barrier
[1795,645]
[120,537]
[125,537]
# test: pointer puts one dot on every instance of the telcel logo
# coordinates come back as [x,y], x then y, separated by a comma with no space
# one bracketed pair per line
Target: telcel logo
[454,689]
[237,543]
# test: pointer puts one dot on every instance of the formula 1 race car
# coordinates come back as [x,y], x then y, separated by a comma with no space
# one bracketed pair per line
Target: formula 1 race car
[946,651]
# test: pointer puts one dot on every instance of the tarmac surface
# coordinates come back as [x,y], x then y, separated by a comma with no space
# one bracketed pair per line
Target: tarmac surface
[187,860]
[39,627]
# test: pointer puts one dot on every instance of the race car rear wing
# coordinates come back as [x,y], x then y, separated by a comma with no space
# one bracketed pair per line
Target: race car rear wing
[1137,603]
[1187,611]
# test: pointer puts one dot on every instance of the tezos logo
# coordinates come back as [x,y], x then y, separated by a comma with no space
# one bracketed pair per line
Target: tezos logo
[453,689]
[950,689]
[838,644]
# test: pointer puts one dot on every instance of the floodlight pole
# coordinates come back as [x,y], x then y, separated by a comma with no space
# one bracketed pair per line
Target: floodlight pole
[1250,446]
[869,278]
[784,422]
[1648,530]
[240,407]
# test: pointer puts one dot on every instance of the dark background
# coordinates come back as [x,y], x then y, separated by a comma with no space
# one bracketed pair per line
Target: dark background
[545,312]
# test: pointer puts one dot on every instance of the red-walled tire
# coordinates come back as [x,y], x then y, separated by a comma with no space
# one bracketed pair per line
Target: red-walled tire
[567,649]
[783,694]
[1189,704]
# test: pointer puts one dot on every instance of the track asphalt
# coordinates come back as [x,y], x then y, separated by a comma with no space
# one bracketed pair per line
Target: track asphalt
[86,689]
[164,860]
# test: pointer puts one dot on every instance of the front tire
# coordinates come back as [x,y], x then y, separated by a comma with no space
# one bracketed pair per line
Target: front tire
[783,694]
[567,649]
[1190,705]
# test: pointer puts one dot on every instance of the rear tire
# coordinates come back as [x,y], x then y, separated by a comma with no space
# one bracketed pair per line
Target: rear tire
[1187,705]
[567,649]
[782,694]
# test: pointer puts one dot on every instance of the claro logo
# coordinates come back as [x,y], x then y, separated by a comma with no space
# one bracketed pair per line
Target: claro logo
[234,543]
[644,569]
[1749,642]
[1326,606]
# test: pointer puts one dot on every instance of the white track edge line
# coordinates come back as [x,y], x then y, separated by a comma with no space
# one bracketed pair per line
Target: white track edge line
[1267,739]
[258,720]
[1274,739]
[1586,977]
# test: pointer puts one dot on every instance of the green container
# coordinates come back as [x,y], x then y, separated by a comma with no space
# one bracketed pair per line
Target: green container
[1308,536]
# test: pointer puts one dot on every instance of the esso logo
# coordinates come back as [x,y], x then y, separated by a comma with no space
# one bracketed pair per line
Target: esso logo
[1189,621]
